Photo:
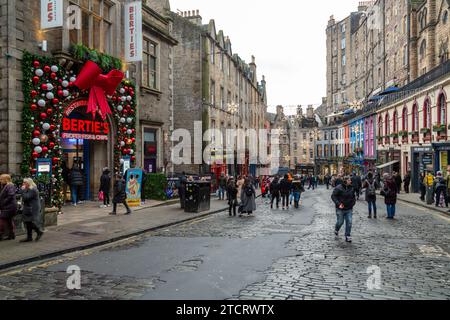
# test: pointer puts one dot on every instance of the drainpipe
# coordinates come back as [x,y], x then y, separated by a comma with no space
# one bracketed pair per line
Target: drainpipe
[408,49]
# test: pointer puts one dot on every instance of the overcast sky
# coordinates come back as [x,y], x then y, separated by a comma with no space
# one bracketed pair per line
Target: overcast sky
[287,37]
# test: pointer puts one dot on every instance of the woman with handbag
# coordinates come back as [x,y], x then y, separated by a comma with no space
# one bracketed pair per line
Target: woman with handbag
[8,207]
[32,216]
[105,187]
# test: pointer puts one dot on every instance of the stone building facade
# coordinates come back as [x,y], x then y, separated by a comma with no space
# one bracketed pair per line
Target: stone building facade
[386,43]
[102,30]
[216,87]
[302,133]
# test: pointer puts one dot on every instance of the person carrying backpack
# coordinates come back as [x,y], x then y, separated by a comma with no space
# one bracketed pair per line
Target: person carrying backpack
[275,192]
[371,185]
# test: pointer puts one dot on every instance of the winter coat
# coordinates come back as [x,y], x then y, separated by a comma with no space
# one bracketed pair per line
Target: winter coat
[120,195]
[370,183]
[8,202]
[232,193]
[345,195]
[31,207]
[398,180]
[390,192]
[105,182]
[76,178]
[248,203]
[439,184]
[285,186]
[356,182]
[407,180]
[222,182]
[275,187]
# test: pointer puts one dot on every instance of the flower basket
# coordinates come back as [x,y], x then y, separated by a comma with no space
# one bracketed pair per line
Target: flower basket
[439,128]
[425,130]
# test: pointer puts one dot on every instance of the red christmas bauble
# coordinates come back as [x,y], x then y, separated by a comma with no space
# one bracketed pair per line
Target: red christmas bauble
[43,116]
[49,111]
[33,171]
[36,133]
[53,75]
[44,150]
[71,84]
[133,140]
[51,145]
[133,158]
[125,112]
[35,155]
[52,127]
[55,101]
[47,69]
[55,160]
[33,93]
[60,93]
[34,107]
[44,87]
[35,79]
[36,64]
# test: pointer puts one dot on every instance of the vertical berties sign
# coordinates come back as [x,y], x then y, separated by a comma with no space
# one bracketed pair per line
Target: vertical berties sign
[133,31]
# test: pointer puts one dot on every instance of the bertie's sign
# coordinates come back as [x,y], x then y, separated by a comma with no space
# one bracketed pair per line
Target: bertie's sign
[82,129]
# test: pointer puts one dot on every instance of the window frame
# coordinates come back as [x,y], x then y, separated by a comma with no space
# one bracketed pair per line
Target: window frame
[146,54]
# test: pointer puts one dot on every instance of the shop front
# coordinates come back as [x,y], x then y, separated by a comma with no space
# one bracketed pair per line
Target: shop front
[86,143]
[441,155]
[389,161]
[305,169]
[422,161]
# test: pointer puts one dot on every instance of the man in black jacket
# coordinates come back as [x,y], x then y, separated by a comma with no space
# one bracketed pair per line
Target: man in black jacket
[275,192]
[285,190]
[344,198]
[120,195]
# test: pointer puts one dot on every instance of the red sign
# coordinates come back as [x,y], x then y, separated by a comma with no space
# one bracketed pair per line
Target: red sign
[82,128]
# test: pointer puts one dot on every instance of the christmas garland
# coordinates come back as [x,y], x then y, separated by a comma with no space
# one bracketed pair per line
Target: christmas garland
[47,88]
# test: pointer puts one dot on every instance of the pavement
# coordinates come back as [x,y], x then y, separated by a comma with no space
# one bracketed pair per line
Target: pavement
[414,198]
[271,255]
[97,228]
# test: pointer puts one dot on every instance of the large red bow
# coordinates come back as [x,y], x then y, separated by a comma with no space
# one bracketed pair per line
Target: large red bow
[91,77]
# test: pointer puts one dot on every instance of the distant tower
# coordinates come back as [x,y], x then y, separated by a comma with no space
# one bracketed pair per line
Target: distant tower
[299,111]
[310,112]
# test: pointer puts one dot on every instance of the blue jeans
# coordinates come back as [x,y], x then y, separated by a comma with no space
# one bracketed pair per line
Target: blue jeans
[75,191]
[372,204]
[390,210]
[221,193]
[347,216]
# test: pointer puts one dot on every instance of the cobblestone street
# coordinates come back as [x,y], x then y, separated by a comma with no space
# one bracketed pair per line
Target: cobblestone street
[274,255]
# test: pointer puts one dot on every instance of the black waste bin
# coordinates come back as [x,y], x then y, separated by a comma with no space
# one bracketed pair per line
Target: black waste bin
[198,197]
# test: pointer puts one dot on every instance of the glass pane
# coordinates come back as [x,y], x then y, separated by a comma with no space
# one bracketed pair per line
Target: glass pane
[145,70]
[153,80]
[107,37]
[152,48]
[96,5]
[152,63]
[85,4]
[96,33]
[149,135]
[85,28]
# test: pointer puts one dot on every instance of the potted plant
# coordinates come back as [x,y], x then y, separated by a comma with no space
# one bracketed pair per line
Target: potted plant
[425,130]
[439,128]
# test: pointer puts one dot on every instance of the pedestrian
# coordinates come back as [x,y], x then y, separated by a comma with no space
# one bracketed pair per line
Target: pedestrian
[8,208]
[370,185]
[407,182]
[275,192]
[120,195]
[76,182]
[297,190]
[429,184]
[398,181]
[440,188]
[339,180]
[389,193]
[344,198]
[32,211]
[222,186]
[285,190]
[232,193]
[356,184]
[422,186]
[105,187]
[327,181]
[248,199]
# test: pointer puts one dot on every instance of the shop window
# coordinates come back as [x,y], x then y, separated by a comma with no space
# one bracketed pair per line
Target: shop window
[150,150]
[150,64]
[96,30]
[442,109]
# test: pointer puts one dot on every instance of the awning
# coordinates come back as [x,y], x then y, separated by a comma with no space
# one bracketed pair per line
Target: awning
[388,164]
[389,91]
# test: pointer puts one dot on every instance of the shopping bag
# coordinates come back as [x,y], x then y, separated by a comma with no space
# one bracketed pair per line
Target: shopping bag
[101,196]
